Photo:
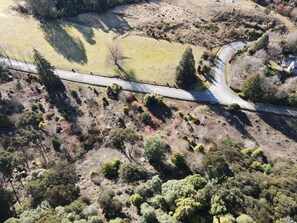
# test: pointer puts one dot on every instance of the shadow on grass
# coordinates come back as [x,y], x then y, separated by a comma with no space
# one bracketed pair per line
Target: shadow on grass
[69,47]
[287,126]
[238,120]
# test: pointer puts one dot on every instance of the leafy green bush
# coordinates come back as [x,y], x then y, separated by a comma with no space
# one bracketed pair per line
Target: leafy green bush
[247,151]
[131,173]
[243,218]
[261,43]
[111,169]
[119,220]
[196,180]
[118,137]
[251,87]
[154,148]
[34,107]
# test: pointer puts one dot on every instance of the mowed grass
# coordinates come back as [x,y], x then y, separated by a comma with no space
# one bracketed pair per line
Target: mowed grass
[71,46]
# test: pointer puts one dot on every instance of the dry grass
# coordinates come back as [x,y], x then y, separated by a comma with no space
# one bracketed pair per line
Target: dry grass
[69,45]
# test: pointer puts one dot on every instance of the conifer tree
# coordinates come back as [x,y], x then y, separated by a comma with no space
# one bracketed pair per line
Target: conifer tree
[185,71]
[46,72]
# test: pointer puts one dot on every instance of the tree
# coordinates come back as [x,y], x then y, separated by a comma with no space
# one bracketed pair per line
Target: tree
[261,43]
[43,8]
[46,72]
[116,56]
[154,148]
[251,87]
[185,71]
[4,121]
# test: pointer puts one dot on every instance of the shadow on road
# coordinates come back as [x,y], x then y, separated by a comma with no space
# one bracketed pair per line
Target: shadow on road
[69,47]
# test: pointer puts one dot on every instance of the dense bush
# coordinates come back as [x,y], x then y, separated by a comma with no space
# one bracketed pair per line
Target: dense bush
[178,160]
[152,100]
[113,90]
[154,148]
[146,118]
[110,204]
[119,137]
[261,43]
[4,74]
[234,107]
[111,169]
[29,119]
[131,173]
[148,213]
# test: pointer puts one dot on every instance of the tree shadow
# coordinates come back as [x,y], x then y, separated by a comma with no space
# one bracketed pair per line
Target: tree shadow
[167,171]
[287,126]
[238,120]
[107,21]
[87,32]
[60,100]
[160,111]
[69,47]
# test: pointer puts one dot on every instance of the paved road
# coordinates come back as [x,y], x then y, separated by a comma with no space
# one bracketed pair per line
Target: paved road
[218,93]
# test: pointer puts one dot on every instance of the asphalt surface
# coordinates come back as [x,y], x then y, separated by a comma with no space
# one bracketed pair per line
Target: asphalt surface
[218,93]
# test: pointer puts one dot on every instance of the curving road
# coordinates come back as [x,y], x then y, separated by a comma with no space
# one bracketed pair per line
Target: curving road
[218,93]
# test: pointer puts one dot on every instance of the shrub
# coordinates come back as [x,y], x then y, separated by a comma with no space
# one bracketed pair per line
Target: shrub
[109,203]
[178,160]
[181,114]
[257,166]
[29,119]
[247,151]
[74,94]
[119,220]
[136,200]
[119,136]
[113,90]
[154,148]
[152,100]
[199,148]
[4,121]
[234,107]
[257,153]
[111,169]
[146,118]
[94,219]
[194,119]
[141,190]
[126,110]
[131,173]
[90,210]
[34,107]
[261,43]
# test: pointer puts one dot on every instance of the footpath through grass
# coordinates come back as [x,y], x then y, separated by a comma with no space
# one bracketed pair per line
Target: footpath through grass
[71,46]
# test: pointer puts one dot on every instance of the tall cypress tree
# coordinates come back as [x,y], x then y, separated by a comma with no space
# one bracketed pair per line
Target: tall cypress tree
[46,72]
[185,71]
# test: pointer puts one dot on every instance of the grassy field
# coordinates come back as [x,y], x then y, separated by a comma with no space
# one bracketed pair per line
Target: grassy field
[68,45]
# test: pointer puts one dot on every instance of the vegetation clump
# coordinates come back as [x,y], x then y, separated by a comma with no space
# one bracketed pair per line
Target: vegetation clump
[111,169]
